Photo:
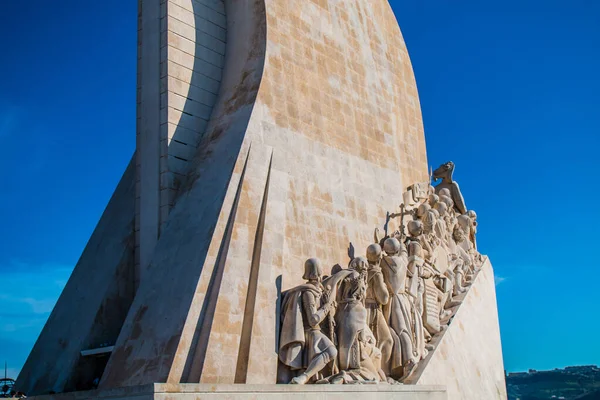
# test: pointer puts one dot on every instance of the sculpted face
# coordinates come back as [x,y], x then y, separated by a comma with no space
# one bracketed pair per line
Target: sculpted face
[472,214]
[359,264]
[429,221]
[423,209]
[433,198]
[448,201]
[312,270]
[441,208]
[458,234]
[464,222]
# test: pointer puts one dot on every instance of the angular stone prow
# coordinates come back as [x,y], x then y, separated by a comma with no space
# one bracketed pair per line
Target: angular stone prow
[467,357]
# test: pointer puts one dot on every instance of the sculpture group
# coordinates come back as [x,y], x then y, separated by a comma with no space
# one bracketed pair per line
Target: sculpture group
[376,320]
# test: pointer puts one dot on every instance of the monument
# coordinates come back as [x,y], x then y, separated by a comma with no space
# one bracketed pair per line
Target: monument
[276,231]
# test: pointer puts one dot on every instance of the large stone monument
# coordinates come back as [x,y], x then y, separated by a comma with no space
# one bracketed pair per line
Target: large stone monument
[273,138]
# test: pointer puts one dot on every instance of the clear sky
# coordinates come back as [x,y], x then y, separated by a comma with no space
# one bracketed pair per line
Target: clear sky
[510,92]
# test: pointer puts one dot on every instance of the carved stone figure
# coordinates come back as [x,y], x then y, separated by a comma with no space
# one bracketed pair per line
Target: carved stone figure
[303,347]
[427,236]
[441,226]
[463,233]
[444,172]
[359,358]
[422,210]
[401,312]
[430,298]
[473,232]
[459,260]
[446,197]
[465,247]
[433,198]
[377,297]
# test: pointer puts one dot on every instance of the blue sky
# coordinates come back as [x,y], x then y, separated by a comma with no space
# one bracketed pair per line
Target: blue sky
[509,91]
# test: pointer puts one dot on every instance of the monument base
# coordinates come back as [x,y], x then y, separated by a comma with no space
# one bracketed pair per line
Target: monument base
[191,391]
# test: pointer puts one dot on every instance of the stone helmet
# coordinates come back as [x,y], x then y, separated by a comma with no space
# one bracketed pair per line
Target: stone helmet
[429,220]
[448,201]
[445,192]
[472,214]
[415,228]
[335,269]
[423,208]
[373,253]
[312,269]
[433,198]
[391,246]
[441,207]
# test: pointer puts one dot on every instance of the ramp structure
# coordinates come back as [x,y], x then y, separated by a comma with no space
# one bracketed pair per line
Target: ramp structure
[269,131]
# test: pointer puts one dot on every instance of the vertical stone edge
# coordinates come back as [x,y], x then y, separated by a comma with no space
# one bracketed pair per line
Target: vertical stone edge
[148,133]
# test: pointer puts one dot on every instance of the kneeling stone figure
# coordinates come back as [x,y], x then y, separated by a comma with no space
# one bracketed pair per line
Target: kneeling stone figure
[303,346]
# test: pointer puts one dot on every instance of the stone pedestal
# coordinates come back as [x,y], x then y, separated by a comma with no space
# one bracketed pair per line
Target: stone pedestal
[191,391]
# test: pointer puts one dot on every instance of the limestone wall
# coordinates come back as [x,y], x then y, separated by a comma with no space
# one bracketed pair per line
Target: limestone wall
[468,360]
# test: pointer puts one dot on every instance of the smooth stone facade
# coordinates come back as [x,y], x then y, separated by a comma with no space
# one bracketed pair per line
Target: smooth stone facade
[259,392]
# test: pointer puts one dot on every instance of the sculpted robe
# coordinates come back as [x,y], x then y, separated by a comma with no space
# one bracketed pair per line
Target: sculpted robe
[357,352]
[377,297]
[401,313]
[301,338]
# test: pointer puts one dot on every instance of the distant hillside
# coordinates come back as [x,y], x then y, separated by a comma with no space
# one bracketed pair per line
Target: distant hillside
[571,383]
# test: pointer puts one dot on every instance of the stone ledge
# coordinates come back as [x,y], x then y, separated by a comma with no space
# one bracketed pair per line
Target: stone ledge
[191,391]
